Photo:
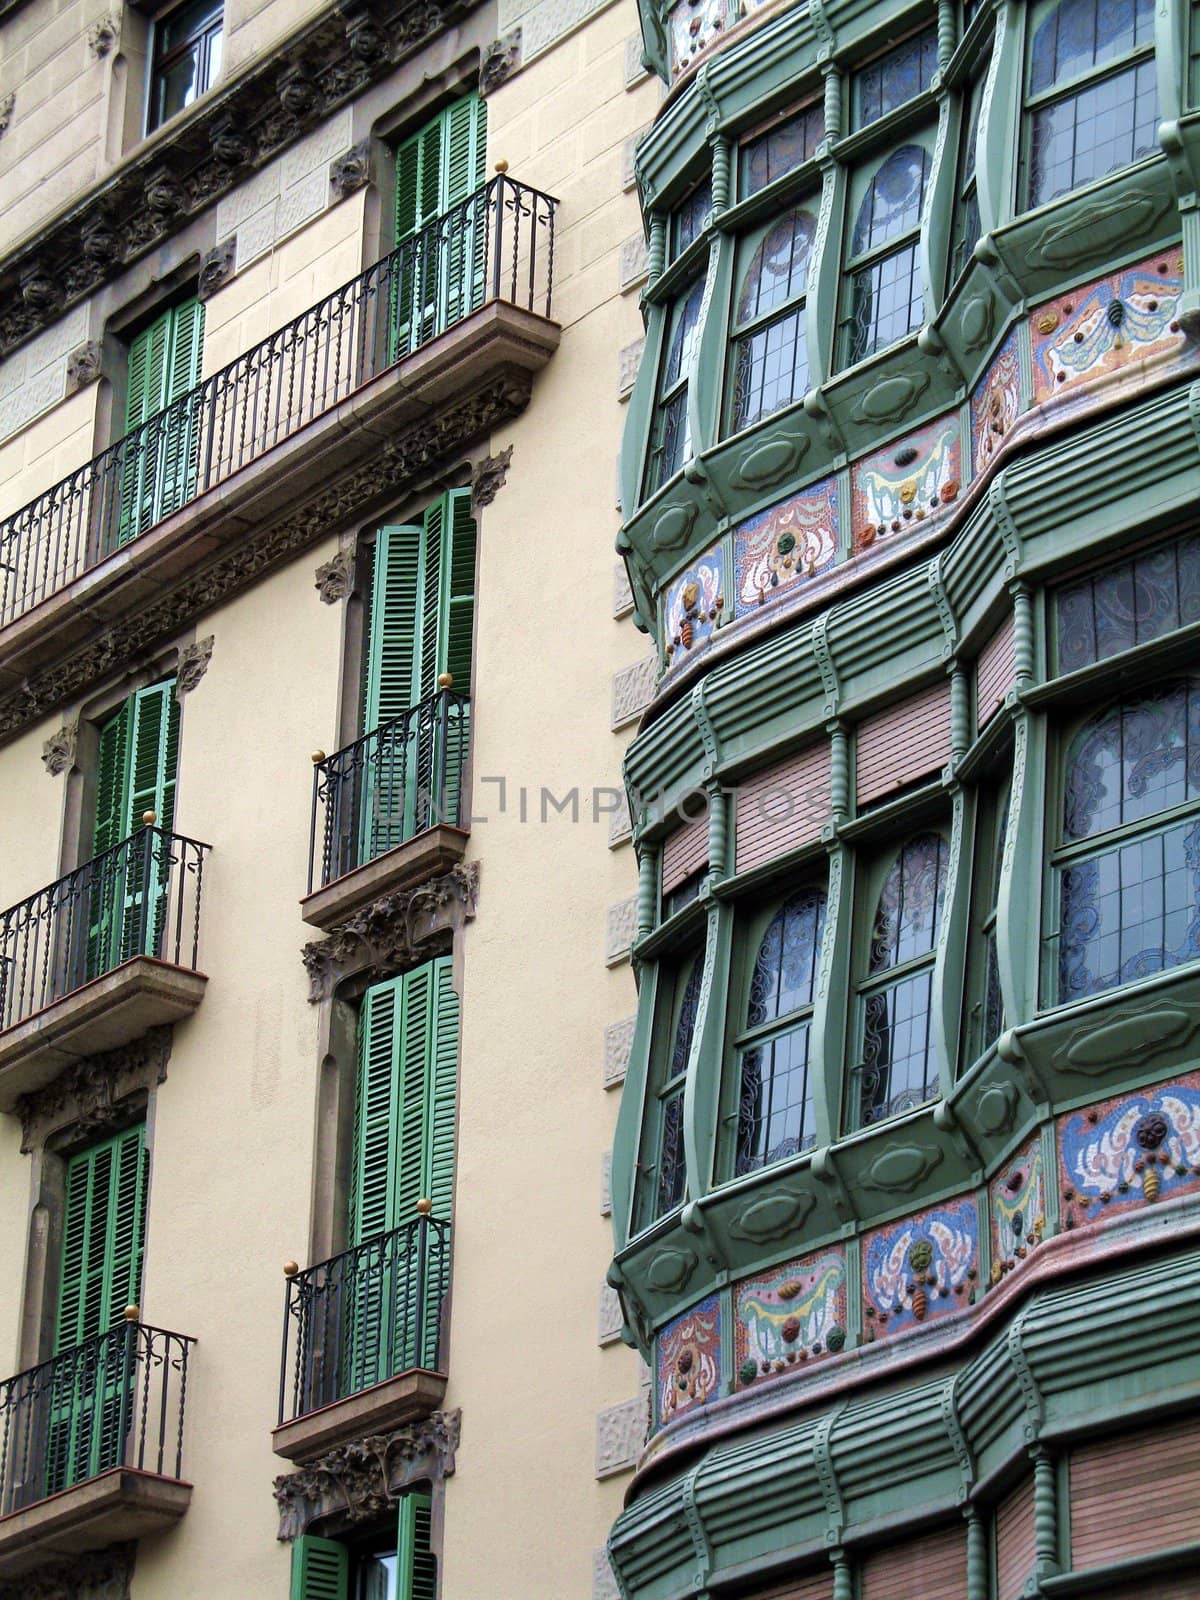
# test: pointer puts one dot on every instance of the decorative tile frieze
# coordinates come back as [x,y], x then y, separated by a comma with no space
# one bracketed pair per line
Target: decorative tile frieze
[363,1480]
[618,1041]
[633,262]
[58,752]
[620,929]
[610,1320]
[632,690]
[794,1315]
[620,1435]
[36,378]
[688,1353]
[921,1268]
[1129,1151]
[628,362]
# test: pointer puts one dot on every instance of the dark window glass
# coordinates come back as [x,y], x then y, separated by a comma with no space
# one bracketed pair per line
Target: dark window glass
[897,1068]
[670,439]
[886,300]
[770,361]
[966,222]
[895,78]
[187,58]
[781,149]
[663,1169]
[1128,604]
[893,201]
[1081,35]
[688,220]
[1129,866]
[775,1106]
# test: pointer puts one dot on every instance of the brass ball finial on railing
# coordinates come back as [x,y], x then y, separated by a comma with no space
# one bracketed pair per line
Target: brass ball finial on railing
[317,757]
[502,167]
[132,1313]
[149,818]
[424,1207]
[290,1268]
[445,680]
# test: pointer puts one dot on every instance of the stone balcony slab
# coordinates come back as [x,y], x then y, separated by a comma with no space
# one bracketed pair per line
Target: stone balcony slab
[108,1509]
[383,1406]
[425,856]
[111,1011]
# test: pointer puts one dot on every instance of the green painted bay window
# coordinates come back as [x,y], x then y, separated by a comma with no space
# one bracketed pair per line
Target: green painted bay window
[897,1070]
[892,79]
[160,458]
[398,1564]
[1091,93]
[1125,868]
[769,1113]
[769,345]
[883,299]
[661,1173]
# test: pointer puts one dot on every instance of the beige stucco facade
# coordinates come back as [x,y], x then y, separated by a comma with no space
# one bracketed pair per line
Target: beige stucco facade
[551,1401]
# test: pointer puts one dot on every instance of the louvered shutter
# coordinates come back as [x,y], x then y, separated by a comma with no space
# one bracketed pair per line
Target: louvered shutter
[463,263]
[415,1563]
[112,768]
[388,798]
[146,376]
[457,632]
[320,1569]
[371,1286]
[104,891]
[180,435]
[418,196]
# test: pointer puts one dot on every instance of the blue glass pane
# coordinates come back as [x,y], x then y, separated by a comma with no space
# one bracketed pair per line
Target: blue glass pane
[1099,130]
[775,1112]
[895,78]
[910,903]
[785,968]
[892,203]
[683,337]
[1080,35]
[781,149]
[897,1069]
[1130,912]
[770,369]
[690,217]
[886,302]
[671,1166]
[1133,761]
[778,269]
[1128,604]
[685,1025]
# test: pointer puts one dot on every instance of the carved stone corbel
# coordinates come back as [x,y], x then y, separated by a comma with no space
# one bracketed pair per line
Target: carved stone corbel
[335,578]
[88,1095]
[392,932]
[83,366]
[351,170]
[500,60]
[96,1575]
[103,35]
[488,478]
[363,1480]
[217,267]
[8,104]
[192,665]
[58,752]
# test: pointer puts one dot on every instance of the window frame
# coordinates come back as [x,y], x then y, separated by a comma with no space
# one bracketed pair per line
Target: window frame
[1031,104]
[654,478]
[739,334]
[993,814]
[966,168]
[676,973]
[208,33]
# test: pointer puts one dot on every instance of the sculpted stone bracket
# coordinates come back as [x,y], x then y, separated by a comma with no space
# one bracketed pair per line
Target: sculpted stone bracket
[500,60]
[260,115]
[391,932]
[401,462]
[58,751]
[192,665]
[98,1575]
[357,1482]
[89,1095]
[334,579]
[489,478]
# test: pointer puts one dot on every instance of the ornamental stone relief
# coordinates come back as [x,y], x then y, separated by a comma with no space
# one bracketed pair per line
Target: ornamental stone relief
[192,665]
[98,1575]
[58,752]
[89,1095]
[334,579]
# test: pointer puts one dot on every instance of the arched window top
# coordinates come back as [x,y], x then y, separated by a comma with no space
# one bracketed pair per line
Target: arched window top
[1135,759]
[683,335]
[785,968]
[892,203]
[685,1023]
[910,903]
[1079,35]
[778,269]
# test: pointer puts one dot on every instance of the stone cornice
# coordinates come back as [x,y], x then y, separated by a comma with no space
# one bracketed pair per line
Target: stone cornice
[200,157]
[404,460]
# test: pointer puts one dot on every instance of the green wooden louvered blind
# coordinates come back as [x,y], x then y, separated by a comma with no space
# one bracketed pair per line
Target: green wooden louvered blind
[440,278]
[324,1569]
[160,465]
[103,1237]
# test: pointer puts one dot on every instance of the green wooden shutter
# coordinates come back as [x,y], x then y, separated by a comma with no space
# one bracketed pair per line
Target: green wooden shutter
[463,266]
[393,673]
[459,592]
[415,1563]
[112,773]
[160,466]
[376,1107]
[154,748]
[180,444]
[320,1569]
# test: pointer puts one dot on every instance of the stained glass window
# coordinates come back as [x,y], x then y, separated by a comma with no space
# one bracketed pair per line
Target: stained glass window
[1128,865]
[985,1015]
[895,78]
[770,353]
[885,299]
[670,439]
[781,149]
[662,1170]
[966,212]
[774,1114]
[1128,604]
[687,220]
[897,1070]
[1092,93]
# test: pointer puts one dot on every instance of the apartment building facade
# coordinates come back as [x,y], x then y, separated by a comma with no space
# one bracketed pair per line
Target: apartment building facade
[310,379]
[906,1171]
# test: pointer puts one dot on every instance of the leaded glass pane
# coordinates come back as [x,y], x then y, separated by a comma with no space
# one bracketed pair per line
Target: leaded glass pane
[910,903]
[786,965]
[1132,762]
[690,217]
[781,149]
[683,338]
[993,1001]
[669,1188]
[685,1023]
[671,438]
[770,369]
[895,78]
[897,1069]
[1080,35]
[1130,912]
[1128,604]
[892,203]
[887,302]
[778,269]
[775,1112]
[1085,136]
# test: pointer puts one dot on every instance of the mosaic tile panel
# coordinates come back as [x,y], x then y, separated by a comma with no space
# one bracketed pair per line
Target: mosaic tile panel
[906,482]
[1106,325]
[794,1314]
[996,404]
[918,1270]
[694,602]
[1130,1150]
[693,24]
[689,1360]
[785,544]
[1017,1196]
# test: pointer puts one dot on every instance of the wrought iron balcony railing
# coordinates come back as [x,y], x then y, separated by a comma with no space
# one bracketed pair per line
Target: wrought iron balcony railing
[393,783]
[141,897]
[497,245]
[116,1400]
[364,1316]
